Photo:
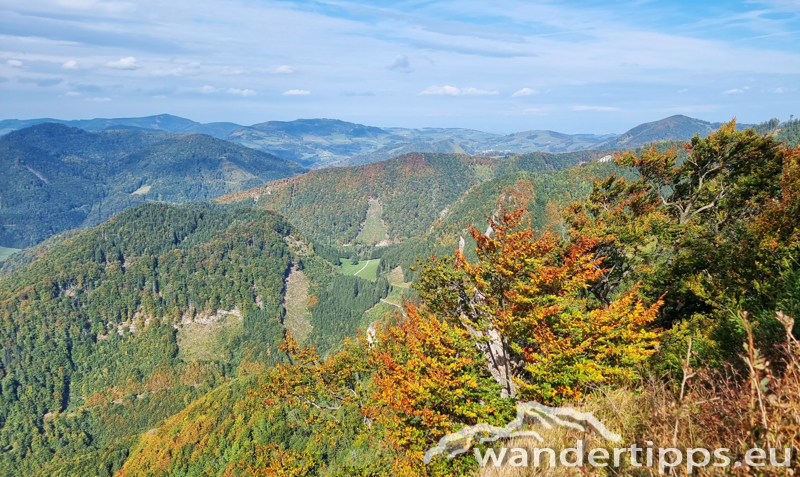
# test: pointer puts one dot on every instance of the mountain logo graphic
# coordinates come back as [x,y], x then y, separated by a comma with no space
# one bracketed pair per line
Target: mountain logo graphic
[529,414]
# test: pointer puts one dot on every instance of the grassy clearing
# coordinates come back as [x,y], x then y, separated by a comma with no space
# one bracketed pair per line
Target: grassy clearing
[204,342]
[386,308]
[373,230]
[142,190]
[295,301]
[364,269]
[396,278]
[5,252]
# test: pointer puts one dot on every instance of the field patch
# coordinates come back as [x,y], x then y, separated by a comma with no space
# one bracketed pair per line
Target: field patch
[367,269]
[5,252]
[374,229]
[295,302]
[142,190]
[396,278]
[205,341]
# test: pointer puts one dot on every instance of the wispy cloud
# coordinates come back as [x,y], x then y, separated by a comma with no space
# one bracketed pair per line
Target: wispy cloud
[296,92]
[208,89]
[733,91]
[524,92]
[241,92]
[98,100]
[127,63]
[684,90]
[448,90]
[72,93]
[581,51]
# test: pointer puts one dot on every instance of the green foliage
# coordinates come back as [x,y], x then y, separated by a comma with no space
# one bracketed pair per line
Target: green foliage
[340,307]
[89,329]
[60,178]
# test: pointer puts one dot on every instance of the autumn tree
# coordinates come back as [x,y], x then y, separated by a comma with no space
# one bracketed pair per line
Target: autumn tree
[692,224]
[526,305]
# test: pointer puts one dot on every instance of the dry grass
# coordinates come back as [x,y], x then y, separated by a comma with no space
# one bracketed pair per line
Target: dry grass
[295,301]
[758,406]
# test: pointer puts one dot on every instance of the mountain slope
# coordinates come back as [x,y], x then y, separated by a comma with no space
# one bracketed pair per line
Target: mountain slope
[676,127]
[313,142]
[388,152]
[161,122]
[118,327]
[61,178]
[91,352]
[330,206]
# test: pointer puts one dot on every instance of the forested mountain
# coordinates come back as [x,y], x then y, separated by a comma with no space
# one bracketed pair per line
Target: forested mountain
[615,300]
[156,343]
[388,152]
[676,127]
[331,206]
[161,122]
[123,325]
[317,143]
[59,177]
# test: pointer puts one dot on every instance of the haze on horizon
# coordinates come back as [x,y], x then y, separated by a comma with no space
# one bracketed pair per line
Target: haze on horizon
[501,67]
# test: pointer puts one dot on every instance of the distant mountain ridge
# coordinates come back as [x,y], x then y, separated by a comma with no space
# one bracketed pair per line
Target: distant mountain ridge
[317,143]
[59,177]
[676,127]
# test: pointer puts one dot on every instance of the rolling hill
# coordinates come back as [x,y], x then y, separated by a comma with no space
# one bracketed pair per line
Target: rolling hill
[676,127]
[60,177]
[115,328]
[397,199]
[317,143]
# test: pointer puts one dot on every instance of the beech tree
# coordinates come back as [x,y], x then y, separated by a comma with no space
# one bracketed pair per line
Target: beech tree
[526,305]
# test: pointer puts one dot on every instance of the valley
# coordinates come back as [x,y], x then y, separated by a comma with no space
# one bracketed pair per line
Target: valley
[185,308]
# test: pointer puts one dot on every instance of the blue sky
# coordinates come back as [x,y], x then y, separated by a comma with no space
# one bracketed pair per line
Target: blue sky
[499,66]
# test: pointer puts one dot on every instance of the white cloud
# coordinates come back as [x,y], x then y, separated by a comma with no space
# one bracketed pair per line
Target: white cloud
[73,93]
[683,90]
[14,63]
[208,89]
[594,108]
[453,91]
[524,92]
[70,65]
[782,90]
[128,63]
[296,92]
[284,69]
[98,100]
[733,91]
[243,92]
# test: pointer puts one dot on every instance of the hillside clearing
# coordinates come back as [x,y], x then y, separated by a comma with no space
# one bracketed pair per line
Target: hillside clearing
[295,302]
[373,230]
[142,190]
[368,269]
